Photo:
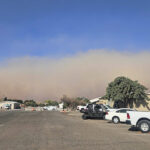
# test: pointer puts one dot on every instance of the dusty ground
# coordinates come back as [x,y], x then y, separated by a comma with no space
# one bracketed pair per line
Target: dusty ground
[65,131]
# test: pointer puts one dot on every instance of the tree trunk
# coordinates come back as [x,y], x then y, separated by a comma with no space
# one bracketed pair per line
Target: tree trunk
[126,103]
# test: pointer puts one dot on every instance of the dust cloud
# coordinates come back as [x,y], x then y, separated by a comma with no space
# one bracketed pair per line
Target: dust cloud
[84,74]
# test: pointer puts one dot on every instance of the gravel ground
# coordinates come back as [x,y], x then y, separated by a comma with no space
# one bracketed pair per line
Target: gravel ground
[65,131]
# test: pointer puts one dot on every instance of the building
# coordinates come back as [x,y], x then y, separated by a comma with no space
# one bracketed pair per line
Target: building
[61,105]
[143,105]
[9,105]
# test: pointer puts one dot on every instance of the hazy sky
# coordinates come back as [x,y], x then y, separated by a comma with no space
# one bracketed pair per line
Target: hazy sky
[64,27]
[76,47]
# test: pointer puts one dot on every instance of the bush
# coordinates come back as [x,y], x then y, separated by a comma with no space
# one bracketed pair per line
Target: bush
[31,103]
[73,102]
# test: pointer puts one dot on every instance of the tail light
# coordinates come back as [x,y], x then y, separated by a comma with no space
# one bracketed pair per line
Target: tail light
[128,116]
[106,113]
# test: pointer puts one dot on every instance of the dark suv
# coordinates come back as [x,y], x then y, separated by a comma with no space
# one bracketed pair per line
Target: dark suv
[94,111]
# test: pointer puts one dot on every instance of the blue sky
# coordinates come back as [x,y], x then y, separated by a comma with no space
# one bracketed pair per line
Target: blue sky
[57,28]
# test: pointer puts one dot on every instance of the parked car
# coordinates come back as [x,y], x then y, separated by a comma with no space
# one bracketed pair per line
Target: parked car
[50,108]
[94,111]
[118,115]
[108,108]
[140,120]
[82,108]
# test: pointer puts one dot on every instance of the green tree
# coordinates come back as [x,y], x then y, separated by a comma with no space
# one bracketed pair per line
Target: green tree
[54,103]
[51,103]
[66,100]
[41,104]
[125,90]
[14,100]
[83,100]
[31,103]
[73,102]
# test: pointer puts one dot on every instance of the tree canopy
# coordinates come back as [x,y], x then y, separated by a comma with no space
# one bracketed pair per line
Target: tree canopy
[73,102]
[51,103]
[125,90]
[31,103]
[14,100]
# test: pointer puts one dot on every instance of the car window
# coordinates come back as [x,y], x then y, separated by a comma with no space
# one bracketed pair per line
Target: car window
[130,110]
[118,111]
[89,106]
[109,107]
[98,106]
[105,107]
[122,111]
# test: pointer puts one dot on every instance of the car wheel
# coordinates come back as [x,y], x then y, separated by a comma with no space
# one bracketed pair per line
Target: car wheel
[144,126]
[84,117]
[115,120]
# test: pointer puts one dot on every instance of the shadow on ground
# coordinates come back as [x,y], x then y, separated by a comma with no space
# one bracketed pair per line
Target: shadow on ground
[133,129]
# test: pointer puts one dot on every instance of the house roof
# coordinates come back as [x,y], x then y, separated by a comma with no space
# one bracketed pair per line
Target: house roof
[8,102]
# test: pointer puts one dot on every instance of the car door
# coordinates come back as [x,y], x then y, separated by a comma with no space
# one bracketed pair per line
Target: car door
[122,114]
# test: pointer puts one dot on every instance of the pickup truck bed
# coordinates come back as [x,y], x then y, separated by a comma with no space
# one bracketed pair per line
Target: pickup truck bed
[140,120]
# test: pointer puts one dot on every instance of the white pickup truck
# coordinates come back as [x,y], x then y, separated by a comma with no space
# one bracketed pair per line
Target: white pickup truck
[81,108]
[138,119]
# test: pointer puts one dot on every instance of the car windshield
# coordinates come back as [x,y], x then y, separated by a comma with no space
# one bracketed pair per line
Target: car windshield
[109,107]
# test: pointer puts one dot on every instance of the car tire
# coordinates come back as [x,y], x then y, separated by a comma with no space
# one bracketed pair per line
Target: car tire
[115,120]
[84,117]
[144,126]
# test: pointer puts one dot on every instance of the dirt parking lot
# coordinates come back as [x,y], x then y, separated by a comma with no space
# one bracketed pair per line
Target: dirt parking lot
[65,131]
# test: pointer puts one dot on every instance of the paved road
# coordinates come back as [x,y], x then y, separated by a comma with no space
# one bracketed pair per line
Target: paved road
[59,131]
